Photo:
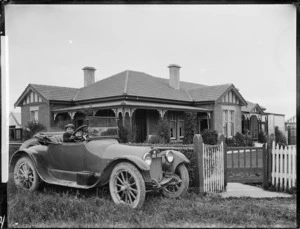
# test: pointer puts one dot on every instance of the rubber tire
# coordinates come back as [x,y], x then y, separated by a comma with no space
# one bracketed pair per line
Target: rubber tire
[138,178]
[182,172]
[36,178]
[29,143]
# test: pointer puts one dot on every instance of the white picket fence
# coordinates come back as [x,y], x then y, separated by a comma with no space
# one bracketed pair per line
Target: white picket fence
[283,166]
[213,169]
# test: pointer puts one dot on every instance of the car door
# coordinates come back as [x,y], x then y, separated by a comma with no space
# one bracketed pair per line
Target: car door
[68,156]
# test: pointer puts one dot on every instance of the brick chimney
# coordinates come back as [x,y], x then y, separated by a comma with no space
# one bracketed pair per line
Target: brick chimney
[89,75]
[174,80]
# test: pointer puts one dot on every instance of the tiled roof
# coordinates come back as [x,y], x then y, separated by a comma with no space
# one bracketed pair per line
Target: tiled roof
[136,84]
[208,93]
[111,86]
[55,92]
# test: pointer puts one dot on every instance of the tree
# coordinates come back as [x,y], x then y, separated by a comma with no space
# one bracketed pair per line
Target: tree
[189,127]
[32,128]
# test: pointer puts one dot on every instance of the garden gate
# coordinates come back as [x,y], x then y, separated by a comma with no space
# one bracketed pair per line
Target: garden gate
[210,165]
[246,164]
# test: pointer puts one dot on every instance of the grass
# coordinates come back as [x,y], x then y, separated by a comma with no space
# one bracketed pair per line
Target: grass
[55,206]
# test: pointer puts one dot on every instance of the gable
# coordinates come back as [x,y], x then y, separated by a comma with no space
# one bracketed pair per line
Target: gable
[29,96]
[232,96]
[253,108]
[257,109]
[32,97]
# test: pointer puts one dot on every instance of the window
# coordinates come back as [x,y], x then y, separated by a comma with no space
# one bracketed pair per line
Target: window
[173,129]
[228,123]
[225,122]
[181,131]
[34,114]
[231,123]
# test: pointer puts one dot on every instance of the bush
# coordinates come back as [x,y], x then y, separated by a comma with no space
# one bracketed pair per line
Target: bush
[279,137]
[123,134]
[163,130]
[155,139]
[262,137]
[239,140]
[189,127]
[210,137]
[32,128]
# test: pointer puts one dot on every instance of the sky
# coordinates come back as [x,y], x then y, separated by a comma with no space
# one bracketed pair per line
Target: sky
[250,46]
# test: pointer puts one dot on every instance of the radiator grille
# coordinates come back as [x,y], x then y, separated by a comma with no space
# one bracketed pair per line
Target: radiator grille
[156,169]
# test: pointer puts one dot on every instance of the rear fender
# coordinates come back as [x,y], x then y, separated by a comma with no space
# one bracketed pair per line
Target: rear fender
[38,163]
[142,166]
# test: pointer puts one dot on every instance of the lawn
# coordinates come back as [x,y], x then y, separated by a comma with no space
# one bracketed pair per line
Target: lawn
[55,206]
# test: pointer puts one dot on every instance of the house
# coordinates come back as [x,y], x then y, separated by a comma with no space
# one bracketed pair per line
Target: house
[139,100]
[15,127]
[15,120]
[291,128]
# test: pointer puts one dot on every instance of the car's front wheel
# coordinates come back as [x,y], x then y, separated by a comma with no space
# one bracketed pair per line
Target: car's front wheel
[127,185]
[179,184]
[25,175]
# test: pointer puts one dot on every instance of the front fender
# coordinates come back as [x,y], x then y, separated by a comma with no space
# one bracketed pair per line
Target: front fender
[178,159]
[138,162]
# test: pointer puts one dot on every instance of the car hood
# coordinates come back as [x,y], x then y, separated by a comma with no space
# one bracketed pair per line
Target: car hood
[111,149]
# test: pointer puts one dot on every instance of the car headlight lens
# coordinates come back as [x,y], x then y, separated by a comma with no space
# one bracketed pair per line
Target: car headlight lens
[147,158]
[169,156]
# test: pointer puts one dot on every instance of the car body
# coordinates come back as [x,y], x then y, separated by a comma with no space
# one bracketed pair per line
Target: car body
[97,158]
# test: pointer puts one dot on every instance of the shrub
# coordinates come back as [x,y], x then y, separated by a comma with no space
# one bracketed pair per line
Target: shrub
[155,139]
[123,134]
[189,127]
[210,137]
[163,130]
[32,128]
[262,137]
[279,137]
[239,140]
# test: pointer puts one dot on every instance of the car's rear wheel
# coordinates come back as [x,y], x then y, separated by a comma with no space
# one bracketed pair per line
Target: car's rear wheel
[25,175]
[179,184]
[127,185]
[29,143]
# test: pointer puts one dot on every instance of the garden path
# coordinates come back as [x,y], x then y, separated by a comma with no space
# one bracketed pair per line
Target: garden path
[243,190]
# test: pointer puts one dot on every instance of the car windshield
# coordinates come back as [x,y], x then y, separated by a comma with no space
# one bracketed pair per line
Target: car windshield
[102,126]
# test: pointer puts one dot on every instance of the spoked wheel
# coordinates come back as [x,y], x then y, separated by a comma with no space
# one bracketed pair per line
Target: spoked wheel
[179,184]
[127,185]
[25,175]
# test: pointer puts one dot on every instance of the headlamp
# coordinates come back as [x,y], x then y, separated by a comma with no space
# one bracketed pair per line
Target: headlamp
[147,158]
[169,156]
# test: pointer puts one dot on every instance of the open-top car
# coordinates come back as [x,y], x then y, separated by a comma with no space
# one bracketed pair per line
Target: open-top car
[95,159]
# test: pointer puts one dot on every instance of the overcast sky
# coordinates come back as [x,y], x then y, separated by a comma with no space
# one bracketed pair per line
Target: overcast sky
[251,46]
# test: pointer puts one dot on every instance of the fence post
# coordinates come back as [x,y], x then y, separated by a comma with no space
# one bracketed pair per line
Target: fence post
[221,138]
[268,161]
[198,150]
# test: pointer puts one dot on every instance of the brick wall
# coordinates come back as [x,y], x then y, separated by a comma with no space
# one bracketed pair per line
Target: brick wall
[43,114]
[217,117]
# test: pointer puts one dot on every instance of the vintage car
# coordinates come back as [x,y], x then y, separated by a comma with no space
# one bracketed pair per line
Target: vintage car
[95,159]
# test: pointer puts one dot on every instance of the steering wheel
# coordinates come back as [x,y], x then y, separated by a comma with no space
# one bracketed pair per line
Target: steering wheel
[80,134]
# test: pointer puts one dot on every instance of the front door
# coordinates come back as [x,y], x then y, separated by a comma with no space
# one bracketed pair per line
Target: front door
[141,125]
